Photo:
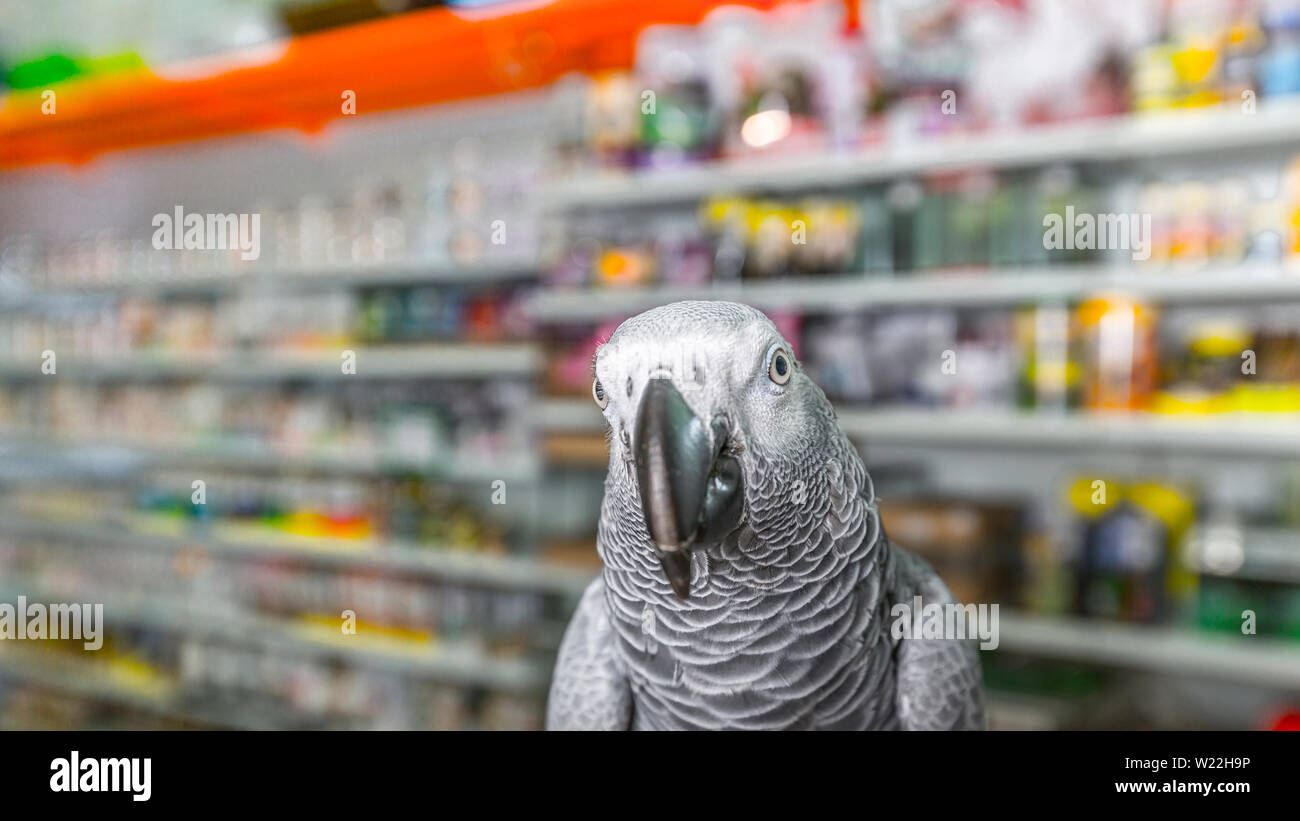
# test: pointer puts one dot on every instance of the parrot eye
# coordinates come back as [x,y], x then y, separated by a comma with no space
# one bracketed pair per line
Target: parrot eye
[598,393]
[780,368]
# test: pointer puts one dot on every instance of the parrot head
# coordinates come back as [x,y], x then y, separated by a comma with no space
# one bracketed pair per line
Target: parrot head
[698,396]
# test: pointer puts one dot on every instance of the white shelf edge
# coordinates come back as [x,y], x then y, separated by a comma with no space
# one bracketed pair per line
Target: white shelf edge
[1170,650]
[846,292]
[1116,139]
[1265,435]
[236,455]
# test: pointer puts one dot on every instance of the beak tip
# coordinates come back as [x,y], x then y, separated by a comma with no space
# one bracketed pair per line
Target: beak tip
[677,567]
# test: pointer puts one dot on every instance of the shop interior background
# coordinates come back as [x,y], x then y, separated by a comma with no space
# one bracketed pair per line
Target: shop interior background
[1098,432]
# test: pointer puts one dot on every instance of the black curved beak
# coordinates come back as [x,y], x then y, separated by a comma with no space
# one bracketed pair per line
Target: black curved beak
[691,493]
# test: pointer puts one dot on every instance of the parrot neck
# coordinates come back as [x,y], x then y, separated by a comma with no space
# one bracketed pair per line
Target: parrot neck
[786,624]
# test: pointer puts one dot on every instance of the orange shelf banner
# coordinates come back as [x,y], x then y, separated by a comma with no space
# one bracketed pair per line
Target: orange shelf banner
[413,59]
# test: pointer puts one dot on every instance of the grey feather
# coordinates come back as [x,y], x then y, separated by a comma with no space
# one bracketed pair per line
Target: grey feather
[787,625]
[590,690]
[939,686]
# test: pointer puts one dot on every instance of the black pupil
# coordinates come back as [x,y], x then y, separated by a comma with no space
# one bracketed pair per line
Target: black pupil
[781,365]
[600,391]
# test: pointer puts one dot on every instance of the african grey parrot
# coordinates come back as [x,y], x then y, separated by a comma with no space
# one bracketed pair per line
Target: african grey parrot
[747,583]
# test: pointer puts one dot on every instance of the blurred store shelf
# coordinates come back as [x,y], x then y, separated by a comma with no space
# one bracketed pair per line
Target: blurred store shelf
[1263,435]
[301,278]
[458,360]
[243,455]
[1242,658]
[1009,287]
[1112,140]
[1260,661]
[165,701]
[448,563]
[448,662]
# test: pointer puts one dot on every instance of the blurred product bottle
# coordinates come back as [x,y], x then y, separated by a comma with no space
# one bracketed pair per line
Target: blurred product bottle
[1006,218]
[1060,193]
[1158,200]
[930,227]
[1193,226]
[1243,49]
[831,239]
[1126,567]
[970,229]
[876,252]
[1122,568]
[904,200]
[1291,204]
[683,253]
[679,122]
[628,264]
[1197,63]
[1049,378]
[1280,62]
[612,119]
[1153,82]
[379,212]
[1231,203]
[727,224]
[1117,351]
[1201,365]
[771,234]
[834,355]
